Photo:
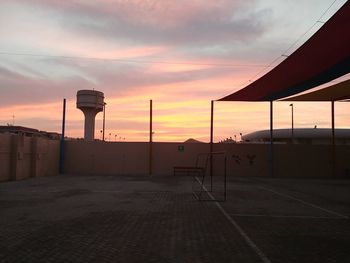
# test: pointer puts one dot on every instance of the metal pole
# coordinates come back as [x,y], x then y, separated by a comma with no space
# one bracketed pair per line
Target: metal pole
[150,137]
[292,121]
[211,143]
[211,126]
[225,177]
[271,139]
[333,142]
[104,121]
[61,163]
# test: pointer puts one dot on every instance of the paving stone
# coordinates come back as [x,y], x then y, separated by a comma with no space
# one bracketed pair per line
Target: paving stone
[157,219]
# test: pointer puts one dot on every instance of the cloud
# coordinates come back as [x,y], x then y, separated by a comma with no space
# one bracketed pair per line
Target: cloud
[162,22]
[50,80]
[177,30]
[19,89]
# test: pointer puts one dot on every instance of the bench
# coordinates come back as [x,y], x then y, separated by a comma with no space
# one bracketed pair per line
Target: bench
[198,170]
[188,170]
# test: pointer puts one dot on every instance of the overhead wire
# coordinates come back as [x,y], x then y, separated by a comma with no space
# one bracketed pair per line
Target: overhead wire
[264,67]
[284,54]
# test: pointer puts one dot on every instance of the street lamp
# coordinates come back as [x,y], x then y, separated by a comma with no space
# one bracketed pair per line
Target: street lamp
[291,105]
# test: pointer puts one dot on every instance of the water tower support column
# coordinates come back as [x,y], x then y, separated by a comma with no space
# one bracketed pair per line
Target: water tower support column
[89,125]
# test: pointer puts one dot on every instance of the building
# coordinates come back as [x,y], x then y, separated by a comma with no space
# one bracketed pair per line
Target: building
[30,132]
[300,136]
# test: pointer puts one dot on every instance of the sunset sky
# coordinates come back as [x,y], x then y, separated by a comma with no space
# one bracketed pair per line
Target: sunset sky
[181,54]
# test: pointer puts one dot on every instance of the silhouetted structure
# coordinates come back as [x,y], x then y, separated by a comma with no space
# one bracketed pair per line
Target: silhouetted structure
[90,102]
[29,132]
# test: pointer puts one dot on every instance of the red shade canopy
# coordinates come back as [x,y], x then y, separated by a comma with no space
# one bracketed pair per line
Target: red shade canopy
[340,91]
[324,57]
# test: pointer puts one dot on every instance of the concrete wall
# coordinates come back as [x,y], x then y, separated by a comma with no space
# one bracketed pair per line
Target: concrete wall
[83,157]
[168,155]
[5,157]
[23,157]
[290,160]
[242,159]
[96,157]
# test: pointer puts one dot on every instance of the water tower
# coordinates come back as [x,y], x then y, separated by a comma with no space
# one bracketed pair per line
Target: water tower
[90,102]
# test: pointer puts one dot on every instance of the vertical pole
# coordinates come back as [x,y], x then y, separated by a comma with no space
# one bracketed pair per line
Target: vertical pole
[271,139]
[104,121]
[333,142]
[211,143]
[150,137]
[211,125]
[292,122]
[61,163]
[225,176]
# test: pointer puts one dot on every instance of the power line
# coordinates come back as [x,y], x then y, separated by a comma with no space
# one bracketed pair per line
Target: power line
[284,54]
[264,67]
[130,60]
[307,31]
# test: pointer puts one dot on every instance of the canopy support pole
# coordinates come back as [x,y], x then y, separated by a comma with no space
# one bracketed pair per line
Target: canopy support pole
[271,140]
[61,162]
[150,137]
[211,143]
[333,142]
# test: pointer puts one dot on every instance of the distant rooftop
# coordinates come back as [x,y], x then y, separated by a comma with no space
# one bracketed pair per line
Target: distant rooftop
[28,131]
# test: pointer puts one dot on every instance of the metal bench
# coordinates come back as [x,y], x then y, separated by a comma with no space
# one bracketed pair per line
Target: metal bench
[188,170]
[198,170]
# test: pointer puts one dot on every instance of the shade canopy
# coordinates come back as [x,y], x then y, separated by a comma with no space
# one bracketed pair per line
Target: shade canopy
[340,91]
[322,58]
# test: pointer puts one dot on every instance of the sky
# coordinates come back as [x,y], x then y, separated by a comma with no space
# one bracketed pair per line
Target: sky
[181,54]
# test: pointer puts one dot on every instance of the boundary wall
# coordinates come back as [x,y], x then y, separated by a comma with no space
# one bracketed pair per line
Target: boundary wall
[132,158]
[23,157]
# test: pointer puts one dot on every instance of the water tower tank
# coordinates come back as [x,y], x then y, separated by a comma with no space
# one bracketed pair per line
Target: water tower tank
[90,102]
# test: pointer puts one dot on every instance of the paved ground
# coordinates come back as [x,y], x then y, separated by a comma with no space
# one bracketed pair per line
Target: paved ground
[143,219]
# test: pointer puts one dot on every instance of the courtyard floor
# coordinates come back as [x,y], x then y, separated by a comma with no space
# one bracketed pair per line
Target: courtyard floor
[70,218]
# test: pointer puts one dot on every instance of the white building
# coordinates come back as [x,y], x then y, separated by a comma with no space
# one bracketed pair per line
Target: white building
[300,136]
